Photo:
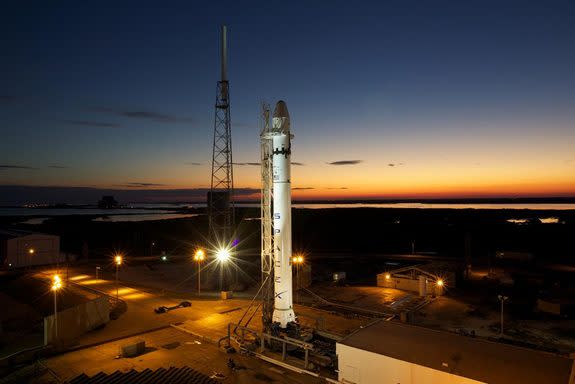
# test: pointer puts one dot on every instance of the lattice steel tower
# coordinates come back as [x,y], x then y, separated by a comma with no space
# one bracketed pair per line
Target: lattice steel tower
[267,251]
[220,197]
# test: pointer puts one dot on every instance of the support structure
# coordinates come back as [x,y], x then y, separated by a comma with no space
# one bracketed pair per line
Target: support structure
[220,197]
[266,222]
[242,334]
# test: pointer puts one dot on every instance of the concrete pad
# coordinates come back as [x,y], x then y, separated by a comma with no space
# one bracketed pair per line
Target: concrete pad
[184,350]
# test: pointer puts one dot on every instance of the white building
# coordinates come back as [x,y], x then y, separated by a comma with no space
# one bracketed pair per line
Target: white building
[24,248]
[387,352]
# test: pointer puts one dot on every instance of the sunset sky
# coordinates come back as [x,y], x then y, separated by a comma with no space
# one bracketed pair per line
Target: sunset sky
[400,99]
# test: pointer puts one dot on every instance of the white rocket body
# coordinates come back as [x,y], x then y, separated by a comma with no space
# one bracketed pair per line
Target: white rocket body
[281,167]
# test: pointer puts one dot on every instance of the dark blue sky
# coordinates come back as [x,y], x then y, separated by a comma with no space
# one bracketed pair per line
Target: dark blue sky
[467,96]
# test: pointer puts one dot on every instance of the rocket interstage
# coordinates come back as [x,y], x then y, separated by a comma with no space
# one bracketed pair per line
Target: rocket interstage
[282,242]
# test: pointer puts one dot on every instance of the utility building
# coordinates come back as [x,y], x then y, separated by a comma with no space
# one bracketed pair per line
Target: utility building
[24,248]
[387,352]
[426,279]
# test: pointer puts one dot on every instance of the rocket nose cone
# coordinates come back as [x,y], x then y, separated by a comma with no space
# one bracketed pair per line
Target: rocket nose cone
[281,109]
[280,119]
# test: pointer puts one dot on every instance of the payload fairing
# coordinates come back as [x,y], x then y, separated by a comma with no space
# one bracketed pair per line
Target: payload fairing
[282,243]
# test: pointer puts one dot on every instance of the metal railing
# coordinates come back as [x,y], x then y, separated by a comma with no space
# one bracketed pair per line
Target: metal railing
[263,337]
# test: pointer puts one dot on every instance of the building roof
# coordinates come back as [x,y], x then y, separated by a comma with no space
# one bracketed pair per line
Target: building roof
[6,234]
[13,233]
[160,375]
[434,271]
[476,359]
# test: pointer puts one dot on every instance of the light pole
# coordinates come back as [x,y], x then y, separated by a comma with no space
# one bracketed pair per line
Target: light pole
[199,257]
[502,299]
[56,286]
[118,259]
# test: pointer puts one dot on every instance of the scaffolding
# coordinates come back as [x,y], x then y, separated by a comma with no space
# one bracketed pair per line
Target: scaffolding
[266,221]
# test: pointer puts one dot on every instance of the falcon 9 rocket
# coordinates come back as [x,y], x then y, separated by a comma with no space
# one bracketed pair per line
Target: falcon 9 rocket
[282,242]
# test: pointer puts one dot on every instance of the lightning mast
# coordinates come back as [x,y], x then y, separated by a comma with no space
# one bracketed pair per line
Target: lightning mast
[220,197]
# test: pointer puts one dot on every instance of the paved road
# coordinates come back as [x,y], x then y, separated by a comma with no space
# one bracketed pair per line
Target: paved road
[140,316]
[169,346]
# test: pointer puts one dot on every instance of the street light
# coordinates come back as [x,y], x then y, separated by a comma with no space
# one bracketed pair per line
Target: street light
[199,257]
[503,299]
[31,251]
[118,259]
[56,286]
[439,282]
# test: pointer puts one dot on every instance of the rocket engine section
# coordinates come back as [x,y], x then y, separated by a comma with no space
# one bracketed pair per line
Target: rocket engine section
[282,240]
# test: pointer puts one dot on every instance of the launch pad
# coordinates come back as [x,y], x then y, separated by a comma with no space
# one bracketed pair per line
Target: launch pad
[281,335]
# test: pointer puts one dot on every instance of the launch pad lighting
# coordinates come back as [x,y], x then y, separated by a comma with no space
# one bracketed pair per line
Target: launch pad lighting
[56,283]
[297,259]
[199,255]
[223,255]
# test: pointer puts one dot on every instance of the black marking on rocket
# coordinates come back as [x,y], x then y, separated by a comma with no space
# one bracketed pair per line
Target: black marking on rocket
[283,151]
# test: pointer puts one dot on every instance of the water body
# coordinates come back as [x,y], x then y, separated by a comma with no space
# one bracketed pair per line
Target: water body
[45,212]
[532,206]
[542,220]
[148,217]
[157,209]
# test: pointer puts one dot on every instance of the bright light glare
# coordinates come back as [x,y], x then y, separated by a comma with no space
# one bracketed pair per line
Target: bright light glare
[440,283]
[200,255]
[31,251]
[223,254]
[297,259]
[387,276]
[118,259]
[164,258]
[56,283]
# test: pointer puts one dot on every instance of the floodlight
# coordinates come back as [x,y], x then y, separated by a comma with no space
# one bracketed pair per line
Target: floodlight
[223,254]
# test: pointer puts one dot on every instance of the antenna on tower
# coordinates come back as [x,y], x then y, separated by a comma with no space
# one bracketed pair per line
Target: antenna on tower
[220,197]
